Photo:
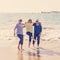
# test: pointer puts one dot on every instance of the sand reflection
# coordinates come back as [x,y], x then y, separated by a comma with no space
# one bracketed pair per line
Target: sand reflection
[29,55]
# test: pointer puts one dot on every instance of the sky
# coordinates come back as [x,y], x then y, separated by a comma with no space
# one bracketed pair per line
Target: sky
[22,6]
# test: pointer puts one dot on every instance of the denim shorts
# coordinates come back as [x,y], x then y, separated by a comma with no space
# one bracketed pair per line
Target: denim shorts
[30,35]
[21,38]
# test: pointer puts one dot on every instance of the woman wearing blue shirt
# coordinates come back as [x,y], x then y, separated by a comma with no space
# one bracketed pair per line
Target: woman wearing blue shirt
[37,32]
[19,27]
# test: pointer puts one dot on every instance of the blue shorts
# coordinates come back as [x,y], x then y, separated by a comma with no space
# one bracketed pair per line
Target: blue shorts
[30,35]
[21,38]
[38,39]
[36,36]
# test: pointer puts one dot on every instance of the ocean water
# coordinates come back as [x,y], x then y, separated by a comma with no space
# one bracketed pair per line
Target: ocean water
[8,21]
[45,18]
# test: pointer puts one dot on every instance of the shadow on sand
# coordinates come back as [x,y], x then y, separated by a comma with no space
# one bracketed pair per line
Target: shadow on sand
[35,54]
[46,51]
[28,55]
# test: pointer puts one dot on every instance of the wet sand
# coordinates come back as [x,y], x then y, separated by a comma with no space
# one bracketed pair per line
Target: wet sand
[49,48]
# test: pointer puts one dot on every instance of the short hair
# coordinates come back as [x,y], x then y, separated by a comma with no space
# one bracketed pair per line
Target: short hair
[37,20]
[20,20]
[30,20]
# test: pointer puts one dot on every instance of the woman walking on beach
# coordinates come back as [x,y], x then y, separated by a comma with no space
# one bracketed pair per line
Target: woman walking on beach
[37,32]
[19,28]
[29,30]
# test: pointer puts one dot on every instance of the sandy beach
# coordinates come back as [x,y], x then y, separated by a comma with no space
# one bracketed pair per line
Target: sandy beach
[49,48]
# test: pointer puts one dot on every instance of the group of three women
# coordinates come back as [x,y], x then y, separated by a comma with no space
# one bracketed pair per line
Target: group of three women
[29,31]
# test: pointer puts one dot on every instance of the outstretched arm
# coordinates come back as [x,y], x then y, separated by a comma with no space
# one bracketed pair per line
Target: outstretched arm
[14,30]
